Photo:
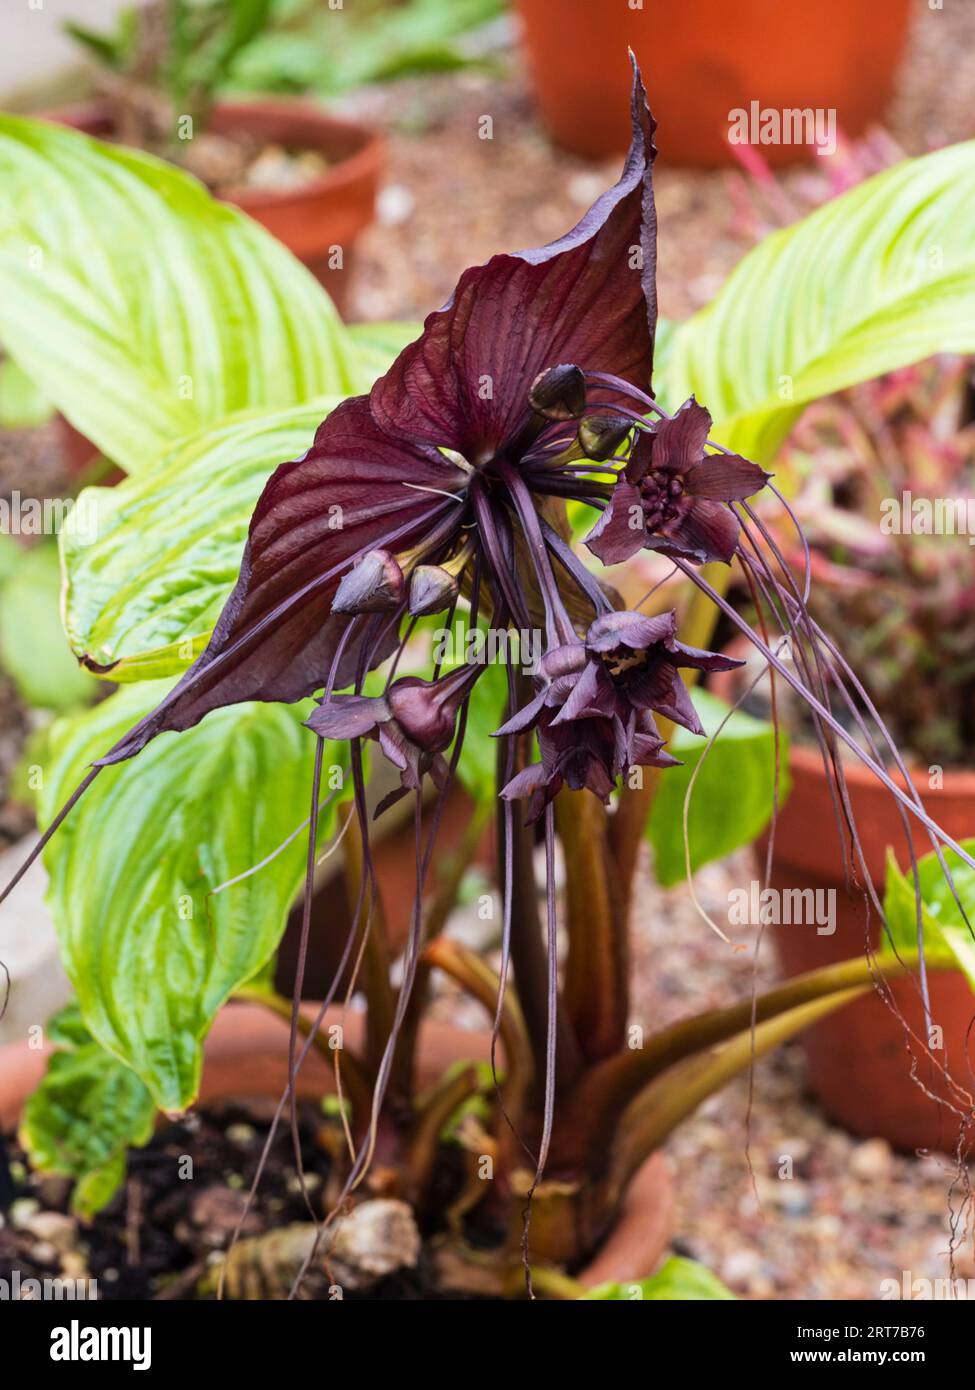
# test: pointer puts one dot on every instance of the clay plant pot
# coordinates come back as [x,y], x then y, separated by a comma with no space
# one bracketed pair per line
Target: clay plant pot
[703,59]
[314,219]
[857,1061]
[247,1057]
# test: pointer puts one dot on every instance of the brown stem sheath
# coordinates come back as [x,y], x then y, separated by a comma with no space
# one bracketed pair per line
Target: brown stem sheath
[596,988]
[607,1089]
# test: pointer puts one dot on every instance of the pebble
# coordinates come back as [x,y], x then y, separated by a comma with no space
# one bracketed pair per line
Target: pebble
[871,1160]
[53,1228]
[243,1135]
[22,1210]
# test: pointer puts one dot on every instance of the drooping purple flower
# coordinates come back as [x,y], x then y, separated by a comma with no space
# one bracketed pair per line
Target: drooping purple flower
[638,660]
[414,721]
[453,445]
[593,715]
[584,756]
[673,497]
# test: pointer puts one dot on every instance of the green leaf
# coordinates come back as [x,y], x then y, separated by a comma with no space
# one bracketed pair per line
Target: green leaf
[677,1280]
[142,307]
[941,920]
[874,280]
[106,48]
[88,1111]
[33,649]
[477,767]
[150,563]
[10,554]
[152,951]
[732,798]
[22,406]
[378,344]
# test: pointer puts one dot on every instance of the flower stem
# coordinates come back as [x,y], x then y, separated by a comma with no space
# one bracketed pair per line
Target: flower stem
[596,987]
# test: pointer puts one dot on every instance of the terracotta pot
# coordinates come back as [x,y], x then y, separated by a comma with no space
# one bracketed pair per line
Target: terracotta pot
[247,1056]
[857,1062]
[315,218]
[702,59]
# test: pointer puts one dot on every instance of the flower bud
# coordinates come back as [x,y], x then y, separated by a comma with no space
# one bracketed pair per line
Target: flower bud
[601,435]
[375,585]
[426,711]
[559,393]
[432,589]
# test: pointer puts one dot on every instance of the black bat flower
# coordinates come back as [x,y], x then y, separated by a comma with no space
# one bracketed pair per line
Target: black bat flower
[636,659]
[594,714]
[446,457]
[672,496]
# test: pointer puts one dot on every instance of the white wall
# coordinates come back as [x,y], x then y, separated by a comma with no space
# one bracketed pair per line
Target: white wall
[32,45]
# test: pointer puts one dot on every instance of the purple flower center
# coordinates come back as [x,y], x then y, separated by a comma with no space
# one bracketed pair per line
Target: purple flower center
[661,495]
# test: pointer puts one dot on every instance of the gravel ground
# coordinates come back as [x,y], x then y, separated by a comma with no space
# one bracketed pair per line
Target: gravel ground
[453,199]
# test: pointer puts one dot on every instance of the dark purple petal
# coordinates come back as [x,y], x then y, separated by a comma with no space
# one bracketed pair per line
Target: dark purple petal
[628,629]
[567,660]
[524,718]
[619,532]
[647,751]
[588,298]
[725,478]
[592,696]
[276,638]
[528,780]
[703,661]
[536,782]
[641,456]
[678,443]
[390,799]
[348,716]
[661,689]
[705,531]
[400,753]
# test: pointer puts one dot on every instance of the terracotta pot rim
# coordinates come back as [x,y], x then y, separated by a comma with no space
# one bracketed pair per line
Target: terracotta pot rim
[362,164]
[243,1042]
[807,759]
[804,755]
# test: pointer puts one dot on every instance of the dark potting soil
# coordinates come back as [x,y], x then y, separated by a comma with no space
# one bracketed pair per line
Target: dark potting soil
[162,1232]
